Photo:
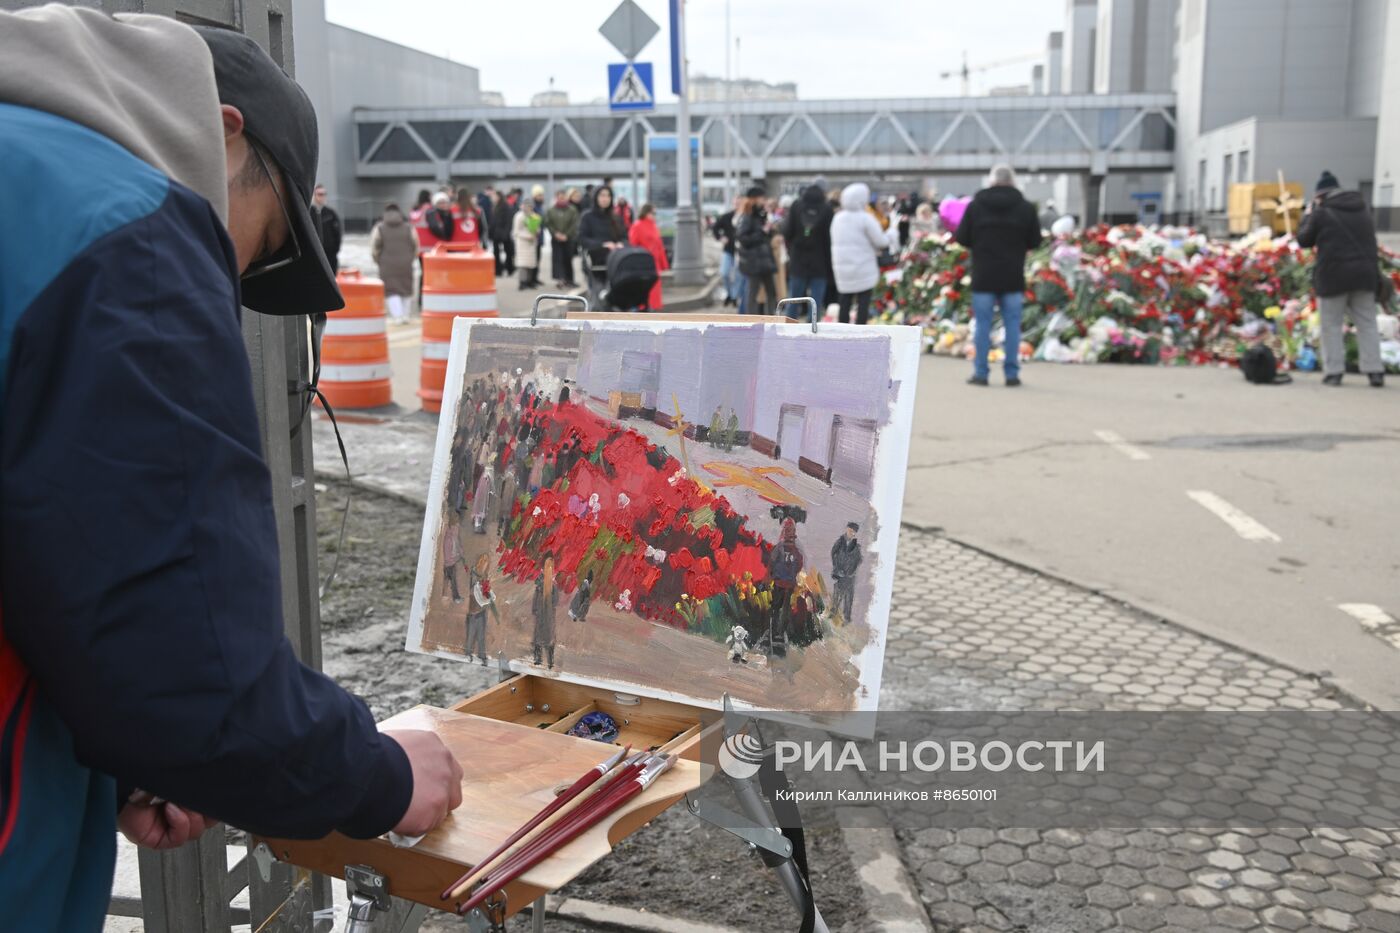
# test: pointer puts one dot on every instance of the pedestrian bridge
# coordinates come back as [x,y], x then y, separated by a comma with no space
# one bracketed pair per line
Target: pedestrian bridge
[1093,134]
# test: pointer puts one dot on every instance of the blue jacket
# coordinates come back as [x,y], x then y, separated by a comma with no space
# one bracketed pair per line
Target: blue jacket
[141,639]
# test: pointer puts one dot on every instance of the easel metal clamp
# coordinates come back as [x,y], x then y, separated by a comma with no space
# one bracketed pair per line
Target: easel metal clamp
[746,829]
[572,299]
[807,301]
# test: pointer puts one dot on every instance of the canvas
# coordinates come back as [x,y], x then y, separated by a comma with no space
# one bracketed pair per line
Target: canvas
[677,510]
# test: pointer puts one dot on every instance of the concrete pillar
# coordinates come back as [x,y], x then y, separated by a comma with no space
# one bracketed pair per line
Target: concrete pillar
[1093,198]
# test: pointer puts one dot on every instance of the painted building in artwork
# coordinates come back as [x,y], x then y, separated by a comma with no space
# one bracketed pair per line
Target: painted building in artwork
[825,428]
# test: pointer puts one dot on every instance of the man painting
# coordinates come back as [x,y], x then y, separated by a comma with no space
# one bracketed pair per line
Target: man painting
[845,560]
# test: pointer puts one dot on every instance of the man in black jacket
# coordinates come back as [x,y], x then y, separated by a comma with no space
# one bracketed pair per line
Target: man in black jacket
[807,232]
[1000,227]
[327,223]
[502,216]
[735,285]
[1345,276]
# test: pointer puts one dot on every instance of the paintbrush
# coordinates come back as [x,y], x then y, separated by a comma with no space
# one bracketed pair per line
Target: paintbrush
[563,816]
[573,792]
[542,847]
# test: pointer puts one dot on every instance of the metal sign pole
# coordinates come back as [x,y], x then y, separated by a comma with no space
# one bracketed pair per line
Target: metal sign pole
[688,267]
[632,153]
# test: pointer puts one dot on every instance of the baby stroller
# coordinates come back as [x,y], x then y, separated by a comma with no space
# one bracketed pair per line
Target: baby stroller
[624,283]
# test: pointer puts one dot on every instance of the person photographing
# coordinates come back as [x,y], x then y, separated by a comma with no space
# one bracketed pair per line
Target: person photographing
[1346,277]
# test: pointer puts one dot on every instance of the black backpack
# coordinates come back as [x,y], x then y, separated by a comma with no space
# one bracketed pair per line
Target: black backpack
[1261,367]
[805,234]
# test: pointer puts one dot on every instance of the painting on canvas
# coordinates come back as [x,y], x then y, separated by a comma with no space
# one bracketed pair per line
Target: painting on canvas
[682,510]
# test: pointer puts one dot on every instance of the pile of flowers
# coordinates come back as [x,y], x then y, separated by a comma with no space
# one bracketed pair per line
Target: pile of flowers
[1133,294]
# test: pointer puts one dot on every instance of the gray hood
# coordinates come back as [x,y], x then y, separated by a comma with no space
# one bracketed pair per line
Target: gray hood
[144,82]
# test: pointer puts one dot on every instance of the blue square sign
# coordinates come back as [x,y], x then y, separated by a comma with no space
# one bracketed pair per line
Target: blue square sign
[630,86]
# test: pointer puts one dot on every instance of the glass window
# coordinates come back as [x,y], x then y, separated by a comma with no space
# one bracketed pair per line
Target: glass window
[1244,165]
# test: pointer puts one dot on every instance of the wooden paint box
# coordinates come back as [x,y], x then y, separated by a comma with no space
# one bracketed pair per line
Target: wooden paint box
[515,754]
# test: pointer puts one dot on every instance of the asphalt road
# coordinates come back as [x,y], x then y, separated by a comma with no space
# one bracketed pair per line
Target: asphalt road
[1304,474]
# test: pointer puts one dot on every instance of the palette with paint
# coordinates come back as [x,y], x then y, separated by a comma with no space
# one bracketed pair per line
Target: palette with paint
[645,516]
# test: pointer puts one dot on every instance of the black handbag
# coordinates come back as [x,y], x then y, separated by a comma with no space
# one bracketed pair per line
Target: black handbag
[1385,291]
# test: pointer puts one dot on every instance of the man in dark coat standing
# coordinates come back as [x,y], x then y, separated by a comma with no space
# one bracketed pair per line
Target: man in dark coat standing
[1000,227]
[502,216]
[807,232]
[327,223]
[1345,277]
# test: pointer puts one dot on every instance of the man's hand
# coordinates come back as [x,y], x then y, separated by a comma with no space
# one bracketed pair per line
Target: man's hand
[437,781]
[155,825]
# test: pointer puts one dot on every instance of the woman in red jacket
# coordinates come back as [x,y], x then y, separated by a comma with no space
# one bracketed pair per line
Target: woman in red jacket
[644,233]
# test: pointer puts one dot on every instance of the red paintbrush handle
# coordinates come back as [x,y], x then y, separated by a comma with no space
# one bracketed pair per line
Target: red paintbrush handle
[537,854]
[578,787]
[625,774]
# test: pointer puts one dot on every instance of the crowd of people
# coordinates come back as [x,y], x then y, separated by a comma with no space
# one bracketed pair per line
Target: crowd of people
[836,242]
[514,227]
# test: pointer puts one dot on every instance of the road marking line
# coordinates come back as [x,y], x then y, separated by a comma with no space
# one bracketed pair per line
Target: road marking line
[1115,440]
[1244,526]
[1375,620]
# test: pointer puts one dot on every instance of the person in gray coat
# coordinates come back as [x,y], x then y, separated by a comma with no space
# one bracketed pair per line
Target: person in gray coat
[1345,277]
[394,246]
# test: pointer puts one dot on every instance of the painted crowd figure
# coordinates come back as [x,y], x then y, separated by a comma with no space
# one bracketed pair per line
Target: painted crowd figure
[452,554]
[785,562]
[724,435]
[544,606]
[845,561]
[578,606]
[482,599]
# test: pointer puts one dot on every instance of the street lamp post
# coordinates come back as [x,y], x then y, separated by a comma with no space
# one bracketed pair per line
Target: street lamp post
[689,270]
[551,140]
[728,114]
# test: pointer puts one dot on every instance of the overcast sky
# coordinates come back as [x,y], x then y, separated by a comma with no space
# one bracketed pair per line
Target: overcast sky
[831,48]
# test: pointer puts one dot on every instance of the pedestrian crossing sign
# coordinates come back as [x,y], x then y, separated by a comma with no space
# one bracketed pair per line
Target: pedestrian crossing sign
[630,86]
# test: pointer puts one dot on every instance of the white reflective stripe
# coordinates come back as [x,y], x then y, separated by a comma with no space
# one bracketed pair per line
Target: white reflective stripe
[459,302]
[432,350]
[354,326]
[355,372]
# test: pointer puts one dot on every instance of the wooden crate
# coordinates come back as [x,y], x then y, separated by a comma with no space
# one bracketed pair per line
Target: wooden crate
[515,754]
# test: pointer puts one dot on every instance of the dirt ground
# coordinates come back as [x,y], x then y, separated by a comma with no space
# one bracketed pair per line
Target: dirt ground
[676,866]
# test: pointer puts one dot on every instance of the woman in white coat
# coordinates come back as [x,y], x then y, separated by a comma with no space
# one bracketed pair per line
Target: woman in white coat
[856,242]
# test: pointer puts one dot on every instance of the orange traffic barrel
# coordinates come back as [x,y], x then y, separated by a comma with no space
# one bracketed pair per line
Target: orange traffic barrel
[459,280]
[355,346]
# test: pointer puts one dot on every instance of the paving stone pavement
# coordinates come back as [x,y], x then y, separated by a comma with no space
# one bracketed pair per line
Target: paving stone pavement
[971,632]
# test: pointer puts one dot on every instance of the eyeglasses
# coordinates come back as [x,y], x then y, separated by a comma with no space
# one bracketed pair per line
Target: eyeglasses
[291,250]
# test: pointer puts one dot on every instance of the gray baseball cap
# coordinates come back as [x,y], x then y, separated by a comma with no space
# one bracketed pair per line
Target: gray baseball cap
[279,116]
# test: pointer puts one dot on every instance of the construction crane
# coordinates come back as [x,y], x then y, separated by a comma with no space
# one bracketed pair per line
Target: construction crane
[967,71]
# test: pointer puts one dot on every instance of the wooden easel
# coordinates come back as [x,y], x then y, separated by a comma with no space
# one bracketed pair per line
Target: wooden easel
[512,742]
